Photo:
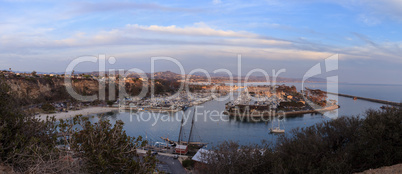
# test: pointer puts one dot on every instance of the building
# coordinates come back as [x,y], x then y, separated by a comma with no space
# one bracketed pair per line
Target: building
[201,161]
[181,149]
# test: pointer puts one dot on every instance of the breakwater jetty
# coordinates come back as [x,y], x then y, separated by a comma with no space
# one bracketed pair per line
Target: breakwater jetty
[367,99]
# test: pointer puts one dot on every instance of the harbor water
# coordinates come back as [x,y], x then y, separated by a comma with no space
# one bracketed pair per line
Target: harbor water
[213,127]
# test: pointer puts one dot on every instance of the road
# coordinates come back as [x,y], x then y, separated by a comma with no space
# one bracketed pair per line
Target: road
[167,163]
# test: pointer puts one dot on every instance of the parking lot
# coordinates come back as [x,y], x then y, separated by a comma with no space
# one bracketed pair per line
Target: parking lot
[168,164]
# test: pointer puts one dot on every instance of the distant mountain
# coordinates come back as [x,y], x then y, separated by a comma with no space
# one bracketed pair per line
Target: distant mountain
[169,75]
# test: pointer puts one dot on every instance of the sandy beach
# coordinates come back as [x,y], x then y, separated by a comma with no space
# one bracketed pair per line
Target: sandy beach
[85,111]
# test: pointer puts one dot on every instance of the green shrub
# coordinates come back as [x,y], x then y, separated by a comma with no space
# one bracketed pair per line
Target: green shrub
[110,103]
[104,148]
[48,108]
[344,145]
[188,163]
[30,145]
[24,141]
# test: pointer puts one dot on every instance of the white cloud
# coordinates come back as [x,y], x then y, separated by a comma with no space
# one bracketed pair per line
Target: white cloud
[197,29]
[197,34]
[216,1]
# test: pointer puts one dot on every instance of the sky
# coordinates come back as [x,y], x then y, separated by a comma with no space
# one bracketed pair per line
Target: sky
[294,35]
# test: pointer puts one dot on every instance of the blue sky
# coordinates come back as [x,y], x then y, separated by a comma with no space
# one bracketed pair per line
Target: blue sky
[270,34]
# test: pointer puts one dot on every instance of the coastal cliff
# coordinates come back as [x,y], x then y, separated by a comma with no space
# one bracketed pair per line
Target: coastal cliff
[38,90]
[34,90]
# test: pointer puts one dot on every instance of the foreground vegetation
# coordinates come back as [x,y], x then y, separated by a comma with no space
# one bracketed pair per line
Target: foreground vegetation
[344,145]
[28,145]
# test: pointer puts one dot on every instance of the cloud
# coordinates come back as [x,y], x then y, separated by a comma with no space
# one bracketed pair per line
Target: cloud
[199,38]
[392,8]
[198,34]
[386,49]
[216,1]
[198,29]
[85,7]
[373,10]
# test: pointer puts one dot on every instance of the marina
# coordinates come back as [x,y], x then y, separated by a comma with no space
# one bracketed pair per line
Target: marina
[168,104]
[273,101]
[212,126]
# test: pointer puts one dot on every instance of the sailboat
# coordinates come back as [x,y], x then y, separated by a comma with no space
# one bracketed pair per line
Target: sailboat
[180,141]
[276,129]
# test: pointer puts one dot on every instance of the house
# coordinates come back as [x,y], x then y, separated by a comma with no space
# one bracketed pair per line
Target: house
[181,149]
[201,160]
[200,156]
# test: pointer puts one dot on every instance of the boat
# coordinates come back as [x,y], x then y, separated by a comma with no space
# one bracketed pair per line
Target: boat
[185,107]
[190,143]
[276,129]
[170,142]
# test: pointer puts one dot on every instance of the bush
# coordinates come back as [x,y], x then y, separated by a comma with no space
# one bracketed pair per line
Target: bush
[321,148]
[230,157]
[48,108]
[379,140]
[344,145]
[26,143]
[30,145]
[188,163]
[104,148]
[110,103]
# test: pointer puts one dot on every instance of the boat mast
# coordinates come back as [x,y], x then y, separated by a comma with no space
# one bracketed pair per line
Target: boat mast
[181,127]
[279,127]
[191,130]
[272,119]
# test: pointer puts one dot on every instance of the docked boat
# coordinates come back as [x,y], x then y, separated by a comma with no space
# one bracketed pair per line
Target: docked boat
[181,140]
[276,129]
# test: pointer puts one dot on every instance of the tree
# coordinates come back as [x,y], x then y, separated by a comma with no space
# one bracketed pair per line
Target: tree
[344,145]
[30,145]
[104,148]
[380,140]
[27,144]
[33,73]
[86,76]
[48,108]
[321,148]
[110,103]
[230,157]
